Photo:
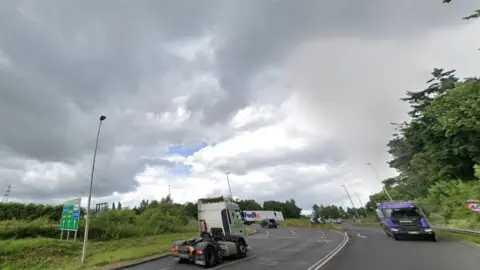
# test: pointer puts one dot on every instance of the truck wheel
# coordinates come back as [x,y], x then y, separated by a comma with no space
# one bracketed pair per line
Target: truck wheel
[210,257]
[242,249]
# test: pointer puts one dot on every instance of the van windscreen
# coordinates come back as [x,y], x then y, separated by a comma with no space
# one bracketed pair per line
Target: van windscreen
[400,213]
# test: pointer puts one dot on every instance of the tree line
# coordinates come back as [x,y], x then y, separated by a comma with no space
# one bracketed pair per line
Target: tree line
[437,152]
[53,213]
[336,212]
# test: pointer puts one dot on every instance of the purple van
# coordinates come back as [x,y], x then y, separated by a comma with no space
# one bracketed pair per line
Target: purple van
[403,219]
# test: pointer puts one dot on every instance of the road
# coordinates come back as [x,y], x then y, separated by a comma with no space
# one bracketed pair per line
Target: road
[371,249]
[367,249]
[281,249]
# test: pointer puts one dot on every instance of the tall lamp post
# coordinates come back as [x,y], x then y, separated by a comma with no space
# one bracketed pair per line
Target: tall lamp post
[350,198]
[379,180]
[229,188]
[345,210]
[361,204]
[85,236]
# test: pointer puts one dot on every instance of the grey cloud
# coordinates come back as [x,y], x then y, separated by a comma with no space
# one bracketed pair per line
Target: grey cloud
[324,153]
[294,184]
[263,32]
[112,174]
[70,62]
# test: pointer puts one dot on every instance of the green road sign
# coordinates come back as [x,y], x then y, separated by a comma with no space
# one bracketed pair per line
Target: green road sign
[70,215]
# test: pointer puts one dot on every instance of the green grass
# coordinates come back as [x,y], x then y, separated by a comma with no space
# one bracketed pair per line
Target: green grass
[459,236]
[43,253]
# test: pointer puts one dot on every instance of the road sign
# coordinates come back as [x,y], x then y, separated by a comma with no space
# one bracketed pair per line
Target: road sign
[70,215]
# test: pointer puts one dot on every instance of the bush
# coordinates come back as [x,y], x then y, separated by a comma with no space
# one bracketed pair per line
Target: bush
[110,224]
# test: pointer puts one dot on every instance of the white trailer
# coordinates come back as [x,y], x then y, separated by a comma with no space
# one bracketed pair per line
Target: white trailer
[255,215]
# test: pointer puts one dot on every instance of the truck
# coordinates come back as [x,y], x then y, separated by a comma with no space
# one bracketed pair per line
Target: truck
[403,219]
[257,216]
[222,234]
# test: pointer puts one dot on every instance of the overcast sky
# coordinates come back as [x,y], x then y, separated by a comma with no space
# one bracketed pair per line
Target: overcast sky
[291,97]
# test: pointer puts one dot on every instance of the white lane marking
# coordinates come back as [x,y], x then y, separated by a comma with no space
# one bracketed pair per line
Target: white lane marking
[361,236]
[324,241]
[234,262]
[330,255]
[293,232]
[267,233]
[280,247]
[164,268]
[269,262]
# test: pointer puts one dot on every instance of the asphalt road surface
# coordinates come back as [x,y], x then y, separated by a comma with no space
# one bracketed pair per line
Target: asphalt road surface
[371,249]
[279,249]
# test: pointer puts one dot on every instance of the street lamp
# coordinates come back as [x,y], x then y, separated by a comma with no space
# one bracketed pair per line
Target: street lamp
[346,191]
[85,236]
[379,180]
[361,204]
[229,188]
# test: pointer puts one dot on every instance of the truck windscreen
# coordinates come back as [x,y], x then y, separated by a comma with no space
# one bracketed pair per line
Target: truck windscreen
[399,213]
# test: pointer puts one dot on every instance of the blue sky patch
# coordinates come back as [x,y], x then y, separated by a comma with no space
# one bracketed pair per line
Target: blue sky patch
[183,151]
[180,169]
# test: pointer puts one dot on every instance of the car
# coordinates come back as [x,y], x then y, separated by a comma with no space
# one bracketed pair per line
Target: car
[269,223]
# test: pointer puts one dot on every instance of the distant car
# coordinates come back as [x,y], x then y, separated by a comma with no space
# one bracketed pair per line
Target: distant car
[269,223]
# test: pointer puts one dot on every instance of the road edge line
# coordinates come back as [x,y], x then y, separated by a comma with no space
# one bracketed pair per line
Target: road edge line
[320,263]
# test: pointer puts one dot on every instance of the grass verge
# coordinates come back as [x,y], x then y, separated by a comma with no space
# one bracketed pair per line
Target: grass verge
[459,236]
[43,253]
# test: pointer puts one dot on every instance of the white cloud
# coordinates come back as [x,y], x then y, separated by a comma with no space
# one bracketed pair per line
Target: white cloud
[295,105]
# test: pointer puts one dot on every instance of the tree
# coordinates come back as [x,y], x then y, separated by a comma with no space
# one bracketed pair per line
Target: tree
[474,15]
[440,144]
[119,206]
[191,209]
[288,208]
[113,205]
[248,205]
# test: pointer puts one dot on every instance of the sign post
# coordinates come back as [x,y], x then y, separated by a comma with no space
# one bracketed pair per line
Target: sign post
[70,218]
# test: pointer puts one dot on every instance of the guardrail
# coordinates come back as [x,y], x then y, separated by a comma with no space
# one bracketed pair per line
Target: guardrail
[468,232]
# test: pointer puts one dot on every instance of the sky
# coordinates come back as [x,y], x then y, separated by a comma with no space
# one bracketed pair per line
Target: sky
[291,98]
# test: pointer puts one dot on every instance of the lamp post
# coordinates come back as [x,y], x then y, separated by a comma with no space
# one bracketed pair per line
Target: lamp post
[85,236]
[229,188]
[345,210]
[379,180]
[361,204]
[346,191]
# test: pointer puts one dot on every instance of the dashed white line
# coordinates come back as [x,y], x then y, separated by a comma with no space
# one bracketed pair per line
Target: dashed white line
[361,236]
[279,247]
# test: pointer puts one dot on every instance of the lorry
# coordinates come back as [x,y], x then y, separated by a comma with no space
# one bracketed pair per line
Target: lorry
[222,234]
[259,215]
[403,219]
